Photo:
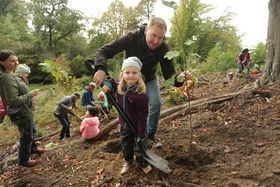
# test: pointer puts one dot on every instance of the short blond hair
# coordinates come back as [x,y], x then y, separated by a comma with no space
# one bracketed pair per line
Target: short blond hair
[157,21]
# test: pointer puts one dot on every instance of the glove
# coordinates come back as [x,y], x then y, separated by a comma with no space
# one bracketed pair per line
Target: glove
[176,82]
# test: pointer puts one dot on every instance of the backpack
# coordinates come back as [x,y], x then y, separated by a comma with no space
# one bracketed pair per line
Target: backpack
[3,109]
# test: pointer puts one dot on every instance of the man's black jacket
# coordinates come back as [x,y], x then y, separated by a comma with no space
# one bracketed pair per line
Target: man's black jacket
[134,44]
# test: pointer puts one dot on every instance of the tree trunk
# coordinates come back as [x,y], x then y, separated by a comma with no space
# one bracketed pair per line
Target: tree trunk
[271,71]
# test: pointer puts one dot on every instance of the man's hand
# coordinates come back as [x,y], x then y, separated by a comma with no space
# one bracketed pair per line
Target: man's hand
[99,77]
[186,74]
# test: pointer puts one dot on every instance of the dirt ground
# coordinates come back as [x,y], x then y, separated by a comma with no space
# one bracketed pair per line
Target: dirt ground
[231,143]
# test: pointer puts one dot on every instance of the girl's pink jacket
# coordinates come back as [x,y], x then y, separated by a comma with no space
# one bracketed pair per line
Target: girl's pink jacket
[90,127]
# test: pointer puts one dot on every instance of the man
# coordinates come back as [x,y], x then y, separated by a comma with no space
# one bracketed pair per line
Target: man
[87,98]
[148,45]
[64,107]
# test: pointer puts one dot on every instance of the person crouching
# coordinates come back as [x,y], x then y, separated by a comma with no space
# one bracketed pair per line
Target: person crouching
[90,125]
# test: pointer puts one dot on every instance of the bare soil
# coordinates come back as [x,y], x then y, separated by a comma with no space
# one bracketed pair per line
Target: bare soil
[232,143]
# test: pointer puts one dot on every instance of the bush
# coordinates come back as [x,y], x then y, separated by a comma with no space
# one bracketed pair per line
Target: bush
[219,60]
[78,68]
[259,54]
[175,98]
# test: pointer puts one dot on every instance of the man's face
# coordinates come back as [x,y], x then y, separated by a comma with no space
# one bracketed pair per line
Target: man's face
[75,98]
[154,36]
[91,88]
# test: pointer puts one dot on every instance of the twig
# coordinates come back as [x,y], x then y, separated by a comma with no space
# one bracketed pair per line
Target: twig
[104,181]
[54,182]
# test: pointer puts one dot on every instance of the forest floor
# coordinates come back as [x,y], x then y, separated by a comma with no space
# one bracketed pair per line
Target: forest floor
[234,142]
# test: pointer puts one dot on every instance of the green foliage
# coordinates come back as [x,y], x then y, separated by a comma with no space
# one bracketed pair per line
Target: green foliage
[170,4]
[47,101]
[70,83]
[54,23]
[78,67]
[114,66]
[194,35]
[259,54]
[172,54]
[175,98]
[55,69]
[85,80]
[143,10]
[219,60]
[14,31]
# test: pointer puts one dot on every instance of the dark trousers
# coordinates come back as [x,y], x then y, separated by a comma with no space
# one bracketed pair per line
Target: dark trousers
[130,148]
[65,131]
[26,138]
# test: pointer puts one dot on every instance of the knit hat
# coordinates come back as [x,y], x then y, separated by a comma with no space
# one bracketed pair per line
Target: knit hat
[22,68]
[92,84]
[132,62]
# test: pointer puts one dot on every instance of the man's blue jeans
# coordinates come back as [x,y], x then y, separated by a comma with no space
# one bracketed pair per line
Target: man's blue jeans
[153,91]
[26,138]
[65,125]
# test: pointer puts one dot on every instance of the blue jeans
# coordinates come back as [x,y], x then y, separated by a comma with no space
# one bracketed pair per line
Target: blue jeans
[153,91]
[65,131]
[26,138]
[240,68]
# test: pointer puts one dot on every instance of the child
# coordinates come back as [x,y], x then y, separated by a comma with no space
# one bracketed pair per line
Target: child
[133,99]
[103,102]
[22,72]
[243,61]
[90,125]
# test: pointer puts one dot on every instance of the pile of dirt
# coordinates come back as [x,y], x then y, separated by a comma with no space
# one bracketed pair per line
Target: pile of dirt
[231,142]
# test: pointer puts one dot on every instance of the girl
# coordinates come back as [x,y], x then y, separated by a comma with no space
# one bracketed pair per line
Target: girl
[134,101]
[90,125]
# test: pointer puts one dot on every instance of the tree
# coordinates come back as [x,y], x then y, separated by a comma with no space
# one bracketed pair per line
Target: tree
[271,71]
[14,31]
[54,23]
[194,35]
[145,9]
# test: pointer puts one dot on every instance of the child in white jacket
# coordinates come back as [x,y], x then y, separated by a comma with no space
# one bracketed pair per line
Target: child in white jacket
[90,125]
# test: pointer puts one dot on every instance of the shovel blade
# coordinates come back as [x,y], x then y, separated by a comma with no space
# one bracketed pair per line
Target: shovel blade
[156,161]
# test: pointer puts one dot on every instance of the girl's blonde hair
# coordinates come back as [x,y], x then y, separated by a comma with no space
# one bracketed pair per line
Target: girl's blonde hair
[141,87]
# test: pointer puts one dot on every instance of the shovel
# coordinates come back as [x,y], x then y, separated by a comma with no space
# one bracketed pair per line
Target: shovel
[76,115]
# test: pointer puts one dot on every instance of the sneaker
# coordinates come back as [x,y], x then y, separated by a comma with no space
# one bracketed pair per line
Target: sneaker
[147,169]
[125,167]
